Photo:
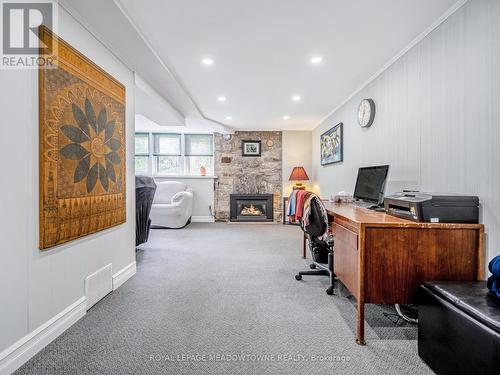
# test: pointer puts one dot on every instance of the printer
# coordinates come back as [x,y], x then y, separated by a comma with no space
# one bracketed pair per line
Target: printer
[433,208]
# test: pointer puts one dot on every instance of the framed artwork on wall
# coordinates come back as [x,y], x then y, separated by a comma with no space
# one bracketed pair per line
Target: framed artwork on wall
[251,148]
[332,147]
[81,146]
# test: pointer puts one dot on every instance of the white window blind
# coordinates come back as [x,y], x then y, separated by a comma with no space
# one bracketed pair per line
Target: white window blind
[199,145]
[167,144]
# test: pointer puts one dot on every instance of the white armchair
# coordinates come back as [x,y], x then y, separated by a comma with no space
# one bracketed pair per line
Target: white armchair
[172,205]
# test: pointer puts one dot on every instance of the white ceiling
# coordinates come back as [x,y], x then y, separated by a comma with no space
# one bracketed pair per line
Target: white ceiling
[262,50]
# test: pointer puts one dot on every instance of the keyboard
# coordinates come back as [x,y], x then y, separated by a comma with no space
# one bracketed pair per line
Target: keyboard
[367,205]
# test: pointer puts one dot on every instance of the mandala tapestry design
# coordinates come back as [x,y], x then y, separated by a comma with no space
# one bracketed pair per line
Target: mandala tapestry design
[94,146]
[82,148]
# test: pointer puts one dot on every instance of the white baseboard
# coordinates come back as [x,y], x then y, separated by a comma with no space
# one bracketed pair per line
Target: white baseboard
[252,222]
[124,274]
[202,219]
[20,352]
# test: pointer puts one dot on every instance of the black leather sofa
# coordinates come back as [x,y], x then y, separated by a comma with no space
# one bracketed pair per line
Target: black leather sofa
[459,328]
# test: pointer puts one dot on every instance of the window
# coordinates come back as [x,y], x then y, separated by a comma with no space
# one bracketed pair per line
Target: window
[141,153]
[174,154]
[167,153]
[199,153]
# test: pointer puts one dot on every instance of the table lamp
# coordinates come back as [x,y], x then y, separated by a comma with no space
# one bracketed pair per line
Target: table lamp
[298,174]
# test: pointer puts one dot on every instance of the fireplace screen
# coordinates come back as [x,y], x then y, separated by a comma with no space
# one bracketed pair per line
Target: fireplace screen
[251,207]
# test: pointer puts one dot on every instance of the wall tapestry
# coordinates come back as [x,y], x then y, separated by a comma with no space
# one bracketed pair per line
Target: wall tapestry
[82,147]
[332,145]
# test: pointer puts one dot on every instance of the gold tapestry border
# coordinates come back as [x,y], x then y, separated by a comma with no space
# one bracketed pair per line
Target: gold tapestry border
[74,62]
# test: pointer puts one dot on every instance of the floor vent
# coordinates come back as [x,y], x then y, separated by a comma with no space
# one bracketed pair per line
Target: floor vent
[98,285]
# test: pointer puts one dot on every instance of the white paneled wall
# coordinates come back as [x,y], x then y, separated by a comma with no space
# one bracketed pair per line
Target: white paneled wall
[37,286]
[438,117]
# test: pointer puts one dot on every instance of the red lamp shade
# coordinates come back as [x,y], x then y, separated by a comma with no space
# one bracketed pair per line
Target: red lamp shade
[298,174]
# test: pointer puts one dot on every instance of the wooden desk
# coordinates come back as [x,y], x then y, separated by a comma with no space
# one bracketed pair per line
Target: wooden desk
[383,259]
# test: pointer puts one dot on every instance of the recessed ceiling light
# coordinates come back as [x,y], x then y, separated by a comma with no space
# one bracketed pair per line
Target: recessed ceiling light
[207,61]
[286,117]
[316,60]
[296,98]
[229,118]
[221,98]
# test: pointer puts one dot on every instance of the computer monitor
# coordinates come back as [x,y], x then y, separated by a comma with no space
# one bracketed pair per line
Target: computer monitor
[370,183]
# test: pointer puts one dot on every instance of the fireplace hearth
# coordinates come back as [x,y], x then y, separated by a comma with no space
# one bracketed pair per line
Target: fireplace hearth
[251,207]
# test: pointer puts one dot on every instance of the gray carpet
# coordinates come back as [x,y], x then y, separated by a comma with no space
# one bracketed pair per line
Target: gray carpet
[222,299]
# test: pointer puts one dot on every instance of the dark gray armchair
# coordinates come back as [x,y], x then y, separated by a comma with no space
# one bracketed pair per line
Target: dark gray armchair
[145,188]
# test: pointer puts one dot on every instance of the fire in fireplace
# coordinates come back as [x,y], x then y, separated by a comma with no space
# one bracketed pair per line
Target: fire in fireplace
[251,211]
[254,207]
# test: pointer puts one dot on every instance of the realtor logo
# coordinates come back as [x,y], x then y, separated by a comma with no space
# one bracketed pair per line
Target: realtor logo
[21,47]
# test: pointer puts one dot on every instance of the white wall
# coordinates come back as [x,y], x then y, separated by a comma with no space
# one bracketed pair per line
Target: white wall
[35,285]
[438,117]
[297,152]
[203,195]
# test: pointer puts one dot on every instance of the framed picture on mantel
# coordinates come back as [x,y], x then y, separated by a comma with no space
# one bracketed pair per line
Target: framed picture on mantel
[251,148]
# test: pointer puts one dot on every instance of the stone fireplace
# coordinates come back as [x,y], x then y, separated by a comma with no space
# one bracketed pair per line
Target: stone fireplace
[251,207]
[251,176]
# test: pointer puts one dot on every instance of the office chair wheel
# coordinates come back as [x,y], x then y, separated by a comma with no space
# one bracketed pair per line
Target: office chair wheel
[312,266]
[298,277]
[329,291]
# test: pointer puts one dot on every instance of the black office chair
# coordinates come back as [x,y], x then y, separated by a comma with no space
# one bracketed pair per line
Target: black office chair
[145,188]
[321,249]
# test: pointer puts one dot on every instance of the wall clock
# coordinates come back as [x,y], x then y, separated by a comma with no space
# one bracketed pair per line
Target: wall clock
[366,113]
